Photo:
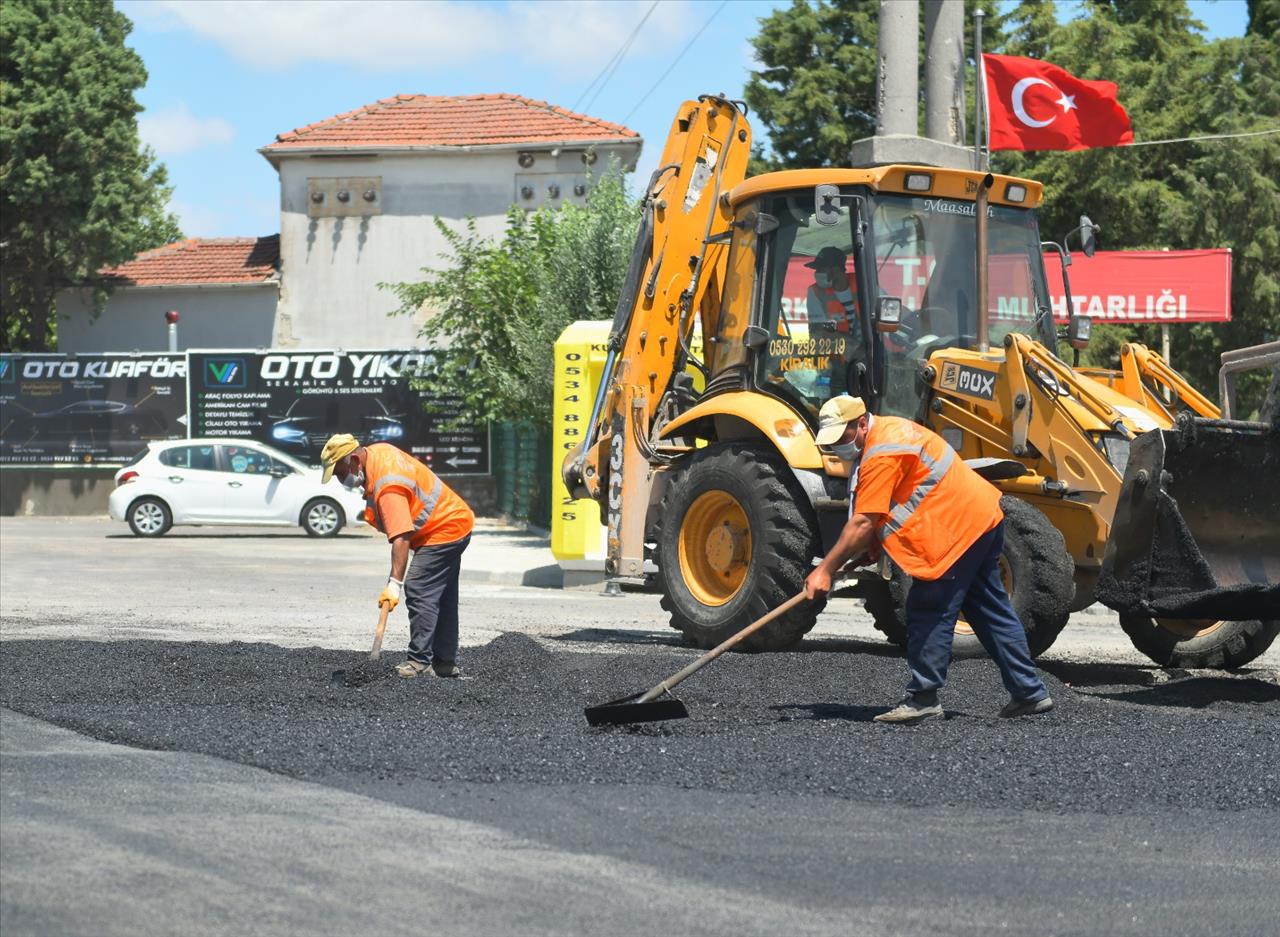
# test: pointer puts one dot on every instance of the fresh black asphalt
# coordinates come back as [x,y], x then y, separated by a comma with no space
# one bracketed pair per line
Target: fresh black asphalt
[790,724]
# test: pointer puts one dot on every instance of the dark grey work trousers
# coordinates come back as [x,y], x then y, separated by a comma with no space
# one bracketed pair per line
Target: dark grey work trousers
[431,596]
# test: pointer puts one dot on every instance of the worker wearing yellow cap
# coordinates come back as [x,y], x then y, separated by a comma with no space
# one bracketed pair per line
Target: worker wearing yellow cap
[910,493]
[420,513]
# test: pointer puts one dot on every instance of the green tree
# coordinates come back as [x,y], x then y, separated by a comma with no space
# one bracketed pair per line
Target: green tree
[1174,83]
[815,89]
[79,191]
[499,304]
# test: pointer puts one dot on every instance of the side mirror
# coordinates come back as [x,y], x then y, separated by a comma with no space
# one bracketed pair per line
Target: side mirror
[755,337]
[280,473]
[826,204]
[1079,328]
[888,314]
[1088,236]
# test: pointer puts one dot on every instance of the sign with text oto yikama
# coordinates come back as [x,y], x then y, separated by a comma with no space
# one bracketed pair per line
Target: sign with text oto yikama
[295,400]
[88,409]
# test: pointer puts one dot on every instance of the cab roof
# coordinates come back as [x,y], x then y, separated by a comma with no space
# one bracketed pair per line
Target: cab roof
[943,183]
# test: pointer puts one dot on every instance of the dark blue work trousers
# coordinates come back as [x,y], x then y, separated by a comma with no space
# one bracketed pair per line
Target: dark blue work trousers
[972,585]
[431,596]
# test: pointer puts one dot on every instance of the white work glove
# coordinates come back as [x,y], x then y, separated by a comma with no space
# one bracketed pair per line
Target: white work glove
[390,595]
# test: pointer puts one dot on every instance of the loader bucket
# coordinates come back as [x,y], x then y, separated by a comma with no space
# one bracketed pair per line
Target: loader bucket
[1196,532]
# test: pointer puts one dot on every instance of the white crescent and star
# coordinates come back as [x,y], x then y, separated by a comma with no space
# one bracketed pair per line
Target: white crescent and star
[1066,102]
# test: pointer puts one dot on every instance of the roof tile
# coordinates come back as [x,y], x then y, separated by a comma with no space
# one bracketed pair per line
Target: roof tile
[470,120]
[201,262]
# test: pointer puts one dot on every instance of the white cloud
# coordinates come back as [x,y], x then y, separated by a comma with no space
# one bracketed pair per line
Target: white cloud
[176,130]
[568,35]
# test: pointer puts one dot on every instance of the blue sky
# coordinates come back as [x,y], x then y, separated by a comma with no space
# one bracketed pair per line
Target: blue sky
[227,75]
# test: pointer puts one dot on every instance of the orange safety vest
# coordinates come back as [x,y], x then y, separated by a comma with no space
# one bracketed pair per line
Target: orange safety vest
[837,312]
[438,514]
[939,506]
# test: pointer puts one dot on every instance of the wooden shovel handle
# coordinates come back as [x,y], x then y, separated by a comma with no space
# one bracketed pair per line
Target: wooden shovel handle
[377,638]
[676,679]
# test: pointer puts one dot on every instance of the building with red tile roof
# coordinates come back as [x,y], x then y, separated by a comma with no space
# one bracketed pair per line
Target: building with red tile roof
[360,194]
[201,262]
[225,291]
[409,122]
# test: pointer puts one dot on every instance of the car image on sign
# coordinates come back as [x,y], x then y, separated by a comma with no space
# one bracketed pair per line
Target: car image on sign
[227,481]
[311,420]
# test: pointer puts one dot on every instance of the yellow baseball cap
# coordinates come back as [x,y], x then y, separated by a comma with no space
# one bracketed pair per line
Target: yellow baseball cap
[835,415]
[337,448]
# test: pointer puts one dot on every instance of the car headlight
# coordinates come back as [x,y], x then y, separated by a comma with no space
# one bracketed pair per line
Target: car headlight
[1116,448]
[390,431]
[287,433]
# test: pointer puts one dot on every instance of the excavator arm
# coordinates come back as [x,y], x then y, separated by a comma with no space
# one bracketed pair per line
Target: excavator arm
[673,283]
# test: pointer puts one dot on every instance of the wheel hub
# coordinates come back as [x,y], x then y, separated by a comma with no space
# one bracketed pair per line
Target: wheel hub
[715,547]
[1186,628]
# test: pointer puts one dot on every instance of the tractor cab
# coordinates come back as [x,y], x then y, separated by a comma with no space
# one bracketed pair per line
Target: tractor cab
[808,276]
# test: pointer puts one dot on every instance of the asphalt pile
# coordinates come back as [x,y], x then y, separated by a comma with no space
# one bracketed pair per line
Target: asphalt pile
[772,723]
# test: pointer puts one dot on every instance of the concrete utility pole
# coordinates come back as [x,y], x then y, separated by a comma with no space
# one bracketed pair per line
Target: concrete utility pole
[897,138]
[944,71]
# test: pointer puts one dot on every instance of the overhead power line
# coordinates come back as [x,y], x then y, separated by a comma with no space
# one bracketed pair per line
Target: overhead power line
[678,59]
[1211,136]
[611,66]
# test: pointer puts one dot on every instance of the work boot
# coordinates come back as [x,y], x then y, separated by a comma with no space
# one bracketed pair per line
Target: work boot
[412,668]
[910,711]
[446,668]
[1026,707]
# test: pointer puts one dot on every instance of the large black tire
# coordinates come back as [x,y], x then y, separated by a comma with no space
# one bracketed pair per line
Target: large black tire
[1039,576]
[1221,645]
[149,517]
[783,542]
[322,517]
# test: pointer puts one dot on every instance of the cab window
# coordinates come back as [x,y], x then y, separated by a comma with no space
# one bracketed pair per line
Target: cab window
[811,305]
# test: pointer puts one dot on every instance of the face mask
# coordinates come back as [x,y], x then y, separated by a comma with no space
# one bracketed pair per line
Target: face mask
[848,452]
[354,480]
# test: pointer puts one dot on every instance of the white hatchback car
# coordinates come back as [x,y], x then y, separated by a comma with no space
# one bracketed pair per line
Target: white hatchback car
[227,481]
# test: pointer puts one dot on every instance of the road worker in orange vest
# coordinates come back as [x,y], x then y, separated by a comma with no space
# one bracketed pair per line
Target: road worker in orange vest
[910,494]
[420,513]
[832,303]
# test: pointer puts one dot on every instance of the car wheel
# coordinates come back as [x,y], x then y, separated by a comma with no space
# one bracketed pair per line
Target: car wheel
[149,517]
[322,518]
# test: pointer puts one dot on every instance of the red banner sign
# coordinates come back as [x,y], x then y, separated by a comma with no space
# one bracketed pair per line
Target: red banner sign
[1121,286]
[1145,286]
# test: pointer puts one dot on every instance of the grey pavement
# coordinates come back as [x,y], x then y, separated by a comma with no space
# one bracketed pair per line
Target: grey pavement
[90,578]
[105,839]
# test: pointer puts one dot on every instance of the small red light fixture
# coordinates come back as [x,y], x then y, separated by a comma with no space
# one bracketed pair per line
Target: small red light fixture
[172,317]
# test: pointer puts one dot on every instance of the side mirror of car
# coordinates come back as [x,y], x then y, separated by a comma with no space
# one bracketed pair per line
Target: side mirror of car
[1079,328]
[888,313]
[281,472]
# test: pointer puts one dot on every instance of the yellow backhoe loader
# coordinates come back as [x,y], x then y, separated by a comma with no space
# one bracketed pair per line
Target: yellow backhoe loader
[924,291]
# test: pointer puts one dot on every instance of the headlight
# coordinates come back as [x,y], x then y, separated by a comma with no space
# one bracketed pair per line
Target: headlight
[390,431]
[287,433]
[1117,449]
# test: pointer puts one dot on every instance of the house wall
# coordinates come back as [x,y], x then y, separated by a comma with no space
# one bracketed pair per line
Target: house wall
[331,267]
[211,317]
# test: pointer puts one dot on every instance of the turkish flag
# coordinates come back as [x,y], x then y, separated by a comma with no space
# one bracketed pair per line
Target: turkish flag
[1033,105]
